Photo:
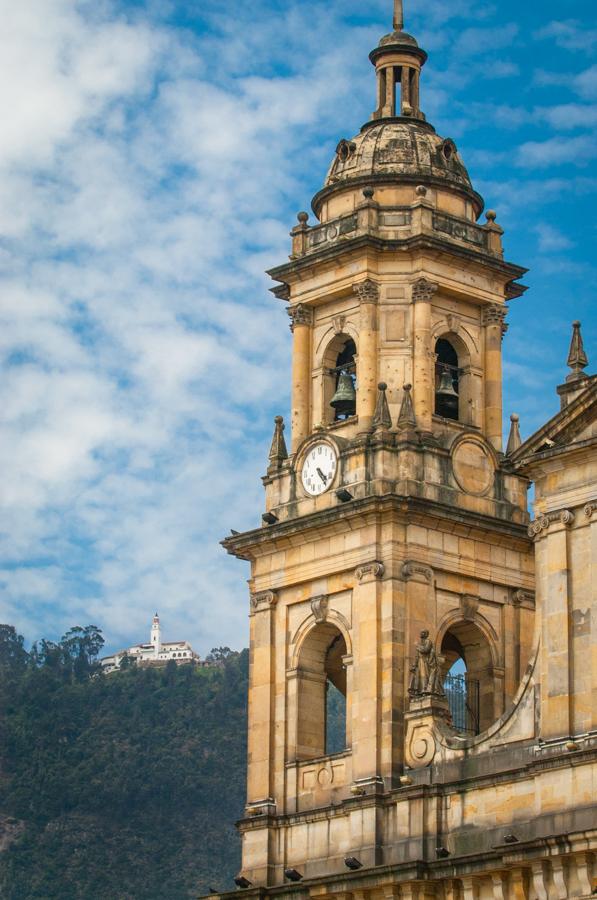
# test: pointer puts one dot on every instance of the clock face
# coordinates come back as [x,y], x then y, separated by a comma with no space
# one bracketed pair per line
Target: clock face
[319,469]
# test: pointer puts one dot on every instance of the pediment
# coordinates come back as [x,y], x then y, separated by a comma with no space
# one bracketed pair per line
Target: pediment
[572,427]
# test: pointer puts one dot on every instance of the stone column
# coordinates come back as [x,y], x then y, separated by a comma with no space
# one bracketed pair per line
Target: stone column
[557,660]
[302,321]
[423,364]
[589,623]
[493,321]
[261,700]
[366,702]
[368,294]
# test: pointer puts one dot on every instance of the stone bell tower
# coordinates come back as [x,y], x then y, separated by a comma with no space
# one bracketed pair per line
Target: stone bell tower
[394,511]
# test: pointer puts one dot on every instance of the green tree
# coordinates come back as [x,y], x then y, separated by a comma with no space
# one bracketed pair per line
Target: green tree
[13,656]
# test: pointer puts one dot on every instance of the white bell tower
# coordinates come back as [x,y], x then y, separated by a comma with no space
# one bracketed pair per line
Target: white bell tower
[156,635]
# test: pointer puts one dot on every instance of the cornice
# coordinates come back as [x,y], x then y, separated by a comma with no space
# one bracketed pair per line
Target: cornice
[417,242]
[405,507]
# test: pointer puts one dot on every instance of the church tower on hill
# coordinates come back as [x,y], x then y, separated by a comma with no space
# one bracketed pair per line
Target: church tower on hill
[423,680]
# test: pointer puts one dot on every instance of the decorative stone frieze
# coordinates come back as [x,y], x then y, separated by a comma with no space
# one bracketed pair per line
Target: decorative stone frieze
[319,608]
[300,315]
[424,290]
[416,571]
[367,291]
[263,600]
[370,571]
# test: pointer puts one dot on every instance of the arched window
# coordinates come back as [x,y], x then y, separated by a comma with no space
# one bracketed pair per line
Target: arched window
[321,707]
[345,374]
[447,380]
[469,678]
[338,369]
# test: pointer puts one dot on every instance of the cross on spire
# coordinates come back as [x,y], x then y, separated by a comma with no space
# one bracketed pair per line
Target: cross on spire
[398,15]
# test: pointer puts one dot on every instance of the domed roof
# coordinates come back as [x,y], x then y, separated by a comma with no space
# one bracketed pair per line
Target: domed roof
[398,149]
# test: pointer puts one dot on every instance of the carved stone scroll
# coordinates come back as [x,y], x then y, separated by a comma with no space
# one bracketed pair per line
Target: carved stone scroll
[417,571]
[263,600]
[424,290]
[369,571]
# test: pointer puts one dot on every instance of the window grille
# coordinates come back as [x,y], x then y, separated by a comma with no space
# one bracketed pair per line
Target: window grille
[463,699]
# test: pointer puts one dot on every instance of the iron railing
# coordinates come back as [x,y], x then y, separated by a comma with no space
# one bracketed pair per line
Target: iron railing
[463,699]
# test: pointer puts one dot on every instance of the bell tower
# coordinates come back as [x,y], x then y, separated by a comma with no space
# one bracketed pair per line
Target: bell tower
[393,511]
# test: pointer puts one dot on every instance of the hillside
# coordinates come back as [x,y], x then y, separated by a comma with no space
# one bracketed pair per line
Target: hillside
[124,786]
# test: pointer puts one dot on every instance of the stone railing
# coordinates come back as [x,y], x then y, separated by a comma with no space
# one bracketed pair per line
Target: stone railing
[392,223]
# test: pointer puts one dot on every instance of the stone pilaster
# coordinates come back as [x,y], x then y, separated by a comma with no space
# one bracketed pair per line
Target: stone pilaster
[423,366]
[261,698]
[493,318]
[301,327]
[368,294]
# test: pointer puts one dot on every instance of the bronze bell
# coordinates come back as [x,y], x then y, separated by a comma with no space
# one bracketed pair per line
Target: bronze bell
[446,394]
[344,400]
[446,386]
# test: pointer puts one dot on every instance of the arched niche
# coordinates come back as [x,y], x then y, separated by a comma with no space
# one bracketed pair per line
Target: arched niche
[460,357]
[320,676]
[339,355]
[475,694]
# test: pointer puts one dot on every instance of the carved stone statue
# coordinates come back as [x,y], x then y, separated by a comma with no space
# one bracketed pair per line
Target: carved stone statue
[425,672]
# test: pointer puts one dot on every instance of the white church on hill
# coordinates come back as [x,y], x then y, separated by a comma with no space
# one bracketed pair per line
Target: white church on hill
[155,653]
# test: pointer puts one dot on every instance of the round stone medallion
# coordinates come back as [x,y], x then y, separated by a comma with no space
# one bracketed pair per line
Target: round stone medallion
[473,467]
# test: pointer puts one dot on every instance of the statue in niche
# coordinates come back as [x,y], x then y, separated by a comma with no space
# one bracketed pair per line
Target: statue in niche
[425,672]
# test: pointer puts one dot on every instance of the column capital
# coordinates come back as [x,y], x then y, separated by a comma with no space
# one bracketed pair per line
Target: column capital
[367,291]
[494,314]
[370,571]
[590,508]
[263,600]
[300,315]
[538,527]
[416,571]
[423,290]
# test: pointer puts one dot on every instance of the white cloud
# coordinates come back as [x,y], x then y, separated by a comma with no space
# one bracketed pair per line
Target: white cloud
[551,239]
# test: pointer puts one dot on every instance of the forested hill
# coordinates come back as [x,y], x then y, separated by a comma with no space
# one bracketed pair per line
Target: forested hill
[123,787]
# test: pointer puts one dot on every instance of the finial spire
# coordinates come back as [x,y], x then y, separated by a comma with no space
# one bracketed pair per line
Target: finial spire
[398,15]
[577,358]
[515,440]
[382,421]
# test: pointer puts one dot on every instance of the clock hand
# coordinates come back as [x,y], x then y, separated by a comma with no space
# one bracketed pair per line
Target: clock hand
[322,476]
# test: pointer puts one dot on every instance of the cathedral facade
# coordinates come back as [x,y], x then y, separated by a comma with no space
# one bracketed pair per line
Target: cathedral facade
[423,678]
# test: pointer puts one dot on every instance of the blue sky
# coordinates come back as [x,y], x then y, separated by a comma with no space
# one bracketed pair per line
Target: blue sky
[153,158]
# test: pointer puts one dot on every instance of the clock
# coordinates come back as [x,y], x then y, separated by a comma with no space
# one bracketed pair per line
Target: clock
[319,469]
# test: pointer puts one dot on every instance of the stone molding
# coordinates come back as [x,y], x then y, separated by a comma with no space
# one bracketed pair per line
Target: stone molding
[564,517]
[367,291]
[493,315]
[319,608]
[424,290]
[370,571]
[300,315]
[417,571]
[263,600]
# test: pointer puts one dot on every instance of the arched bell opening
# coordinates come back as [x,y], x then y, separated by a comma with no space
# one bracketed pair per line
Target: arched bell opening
[322,694]
[340,379]
[468,674]
[447,381]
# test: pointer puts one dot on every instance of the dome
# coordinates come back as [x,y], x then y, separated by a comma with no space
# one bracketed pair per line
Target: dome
[397,38]
[398,150]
